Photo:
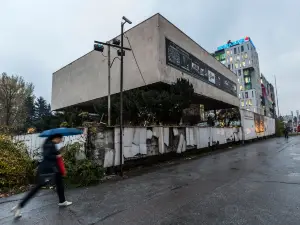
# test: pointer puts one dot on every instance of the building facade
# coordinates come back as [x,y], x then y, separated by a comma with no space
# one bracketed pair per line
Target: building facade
[268,97]
[256,94]
[241,58]
[161,53]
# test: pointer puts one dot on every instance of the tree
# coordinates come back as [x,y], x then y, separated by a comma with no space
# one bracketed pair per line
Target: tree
[295,119]
[14,92]
[155,105]
[42,108]
[30,109]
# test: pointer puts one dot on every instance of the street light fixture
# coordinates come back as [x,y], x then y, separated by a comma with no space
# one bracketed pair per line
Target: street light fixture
[126,20]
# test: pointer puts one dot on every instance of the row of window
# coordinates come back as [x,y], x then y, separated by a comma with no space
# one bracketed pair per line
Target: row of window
[248,102]
[246,94]
[237,57]
[238,49]
[239,65]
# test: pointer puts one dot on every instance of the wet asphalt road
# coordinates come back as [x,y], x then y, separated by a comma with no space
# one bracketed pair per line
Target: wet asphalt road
[258,183]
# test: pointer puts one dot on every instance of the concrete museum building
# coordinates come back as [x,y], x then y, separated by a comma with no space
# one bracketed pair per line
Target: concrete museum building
[161,53]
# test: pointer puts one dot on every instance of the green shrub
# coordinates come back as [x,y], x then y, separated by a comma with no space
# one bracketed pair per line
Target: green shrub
[16,167]
[81,172]
[279,128]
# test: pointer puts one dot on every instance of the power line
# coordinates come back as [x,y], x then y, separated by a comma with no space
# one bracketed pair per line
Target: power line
[104,55]
[136,60]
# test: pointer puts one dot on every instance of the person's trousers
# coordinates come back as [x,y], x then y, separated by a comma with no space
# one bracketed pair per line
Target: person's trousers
[59,189]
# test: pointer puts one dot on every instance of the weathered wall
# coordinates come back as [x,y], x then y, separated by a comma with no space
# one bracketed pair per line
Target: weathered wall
[248,125]
[34,143]
[86,79]
[149,141]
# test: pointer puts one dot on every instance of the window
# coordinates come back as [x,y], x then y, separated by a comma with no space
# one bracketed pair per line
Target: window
[249,62]
[238,57]
[239,95]
[247,80]
[240,65]
[238,49]
[234,50]
[241,87]
[231,52]
[248,86]
[242,103]
[236,65]
[252,94]
[222,57]
[230,59]
[228,52]
[240,72]
[250,102]
[227,60]
[243,95]
[246,55]
[232,66]
[246,94]
[242,48]
[244,64]
[228,66]
[248,46]
[246,72]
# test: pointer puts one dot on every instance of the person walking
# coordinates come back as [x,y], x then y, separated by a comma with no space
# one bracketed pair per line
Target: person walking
[286,132]
[47,170]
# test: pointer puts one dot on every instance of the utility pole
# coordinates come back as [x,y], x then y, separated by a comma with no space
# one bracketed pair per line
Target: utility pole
[108,96]
[276,96]
[99,46]
[121,92]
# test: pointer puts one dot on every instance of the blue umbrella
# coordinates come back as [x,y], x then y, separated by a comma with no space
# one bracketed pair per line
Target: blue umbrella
[62,131]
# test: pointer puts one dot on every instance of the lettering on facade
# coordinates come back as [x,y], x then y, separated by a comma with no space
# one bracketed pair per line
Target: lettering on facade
[186,62]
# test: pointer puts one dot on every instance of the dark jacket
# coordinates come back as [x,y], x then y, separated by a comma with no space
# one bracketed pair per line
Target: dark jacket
[49,164]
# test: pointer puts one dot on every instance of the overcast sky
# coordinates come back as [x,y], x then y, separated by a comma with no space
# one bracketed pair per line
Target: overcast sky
[37,37]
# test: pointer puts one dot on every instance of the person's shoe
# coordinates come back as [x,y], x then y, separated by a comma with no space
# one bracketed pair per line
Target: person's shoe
[17,212]
[64,204]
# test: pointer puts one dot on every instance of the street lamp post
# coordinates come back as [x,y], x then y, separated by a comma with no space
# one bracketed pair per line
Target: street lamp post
[121,92]
[108,96]
[98,46]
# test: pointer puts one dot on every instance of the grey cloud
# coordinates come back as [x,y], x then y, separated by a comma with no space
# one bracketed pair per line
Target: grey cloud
[54,33]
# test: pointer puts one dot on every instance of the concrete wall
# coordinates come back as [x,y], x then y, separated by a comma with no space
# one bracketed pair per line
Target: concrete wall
[170,74]
[86,78]
[140,142]
[34,143]
[148,141]
[248,126]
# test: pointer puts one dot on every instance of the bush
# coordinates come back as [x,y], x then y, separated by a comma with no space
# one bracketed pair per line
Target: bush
[16,167]
[81,172]
[279,128]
